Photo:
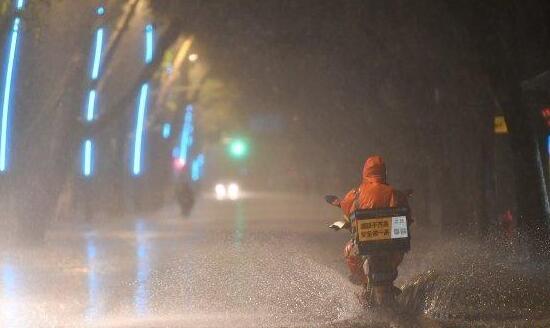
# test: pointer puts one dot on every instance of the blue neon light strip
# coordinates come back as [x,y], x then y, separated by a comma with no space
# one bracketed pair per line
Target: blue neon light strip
[20,4]
[87,161]
[140,122]
[97,53]
[195,171]
[166,130]
[91,106]
[149,31]
[7,95]
[196,168]
[186,133]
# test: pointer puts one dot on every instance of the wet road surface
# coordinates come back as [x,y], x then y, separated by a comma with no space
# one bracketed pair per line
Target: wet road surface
[267,260]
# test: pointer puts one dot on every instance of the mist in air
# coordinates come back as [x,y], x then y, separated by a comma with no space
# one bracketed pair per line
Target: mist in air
[163,163]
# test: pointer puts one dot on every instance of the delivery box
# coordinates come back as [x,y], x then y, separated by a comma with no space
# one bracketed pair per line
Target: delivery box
[381,229]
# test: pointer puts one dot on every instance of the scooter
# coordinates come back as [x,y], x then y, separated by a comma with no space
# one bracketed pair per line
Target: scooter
[380,237]
[185,196]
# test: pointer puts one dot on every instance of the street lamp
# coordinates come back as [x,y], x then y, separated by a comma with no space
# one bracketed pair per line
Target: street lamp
[193,57]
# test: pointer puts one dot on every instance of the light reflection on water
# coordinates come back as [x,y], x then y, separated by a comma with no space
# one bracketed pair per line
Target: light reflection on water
[240,223]
[9,307]
[93,280]
[142,292]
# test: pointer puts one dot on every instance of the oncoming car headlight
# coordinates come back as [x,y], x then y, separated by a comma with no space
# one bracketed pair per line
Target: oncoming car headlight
[220,191]
[233,191]
[230,191]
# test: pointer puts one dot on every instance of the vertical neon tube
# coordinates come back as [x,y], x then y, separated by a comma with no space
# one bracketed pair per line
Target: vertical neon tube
[196,168]
[166,129]
[20,5]
[140,122]
[186,133]
[142,106]
[7,96]
[90,112]
[97,54]
[149,31]
[87,160]
[201,165]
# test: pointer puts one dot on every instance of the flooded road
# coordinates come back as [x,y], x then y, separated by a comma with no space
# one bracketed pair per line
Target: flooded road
[265,261]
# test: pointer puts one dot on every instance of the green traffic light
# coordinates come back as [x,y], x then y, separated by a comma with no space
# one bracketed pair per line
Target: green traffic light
[238,148]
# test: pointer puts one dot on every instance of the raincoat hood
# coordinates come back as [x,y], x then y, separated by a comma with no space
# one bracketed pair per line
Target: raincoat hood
[374,170]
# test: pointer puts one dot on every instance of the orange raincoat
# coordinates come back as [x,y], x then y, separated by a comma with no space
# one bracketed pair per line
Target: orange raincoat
[372,193]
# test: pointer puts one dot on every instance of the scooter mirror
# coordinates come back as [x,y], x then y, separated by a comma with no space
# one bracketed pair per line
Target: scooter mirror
[332,200]
[339,225]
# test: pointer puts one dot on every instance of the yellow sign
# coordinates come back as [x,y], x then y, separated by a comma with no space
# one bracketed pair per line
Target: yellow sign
[375,229]
[500,125]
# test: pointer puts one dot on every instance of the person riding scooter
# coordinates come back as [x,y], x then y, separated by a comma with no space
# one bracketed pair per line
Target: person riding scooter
[185,195]
[378,270]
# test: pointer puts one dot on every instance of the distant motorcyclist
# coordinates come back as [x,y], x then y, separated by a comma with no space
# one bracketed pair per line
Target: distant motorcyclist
[372,193]
[185,196]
